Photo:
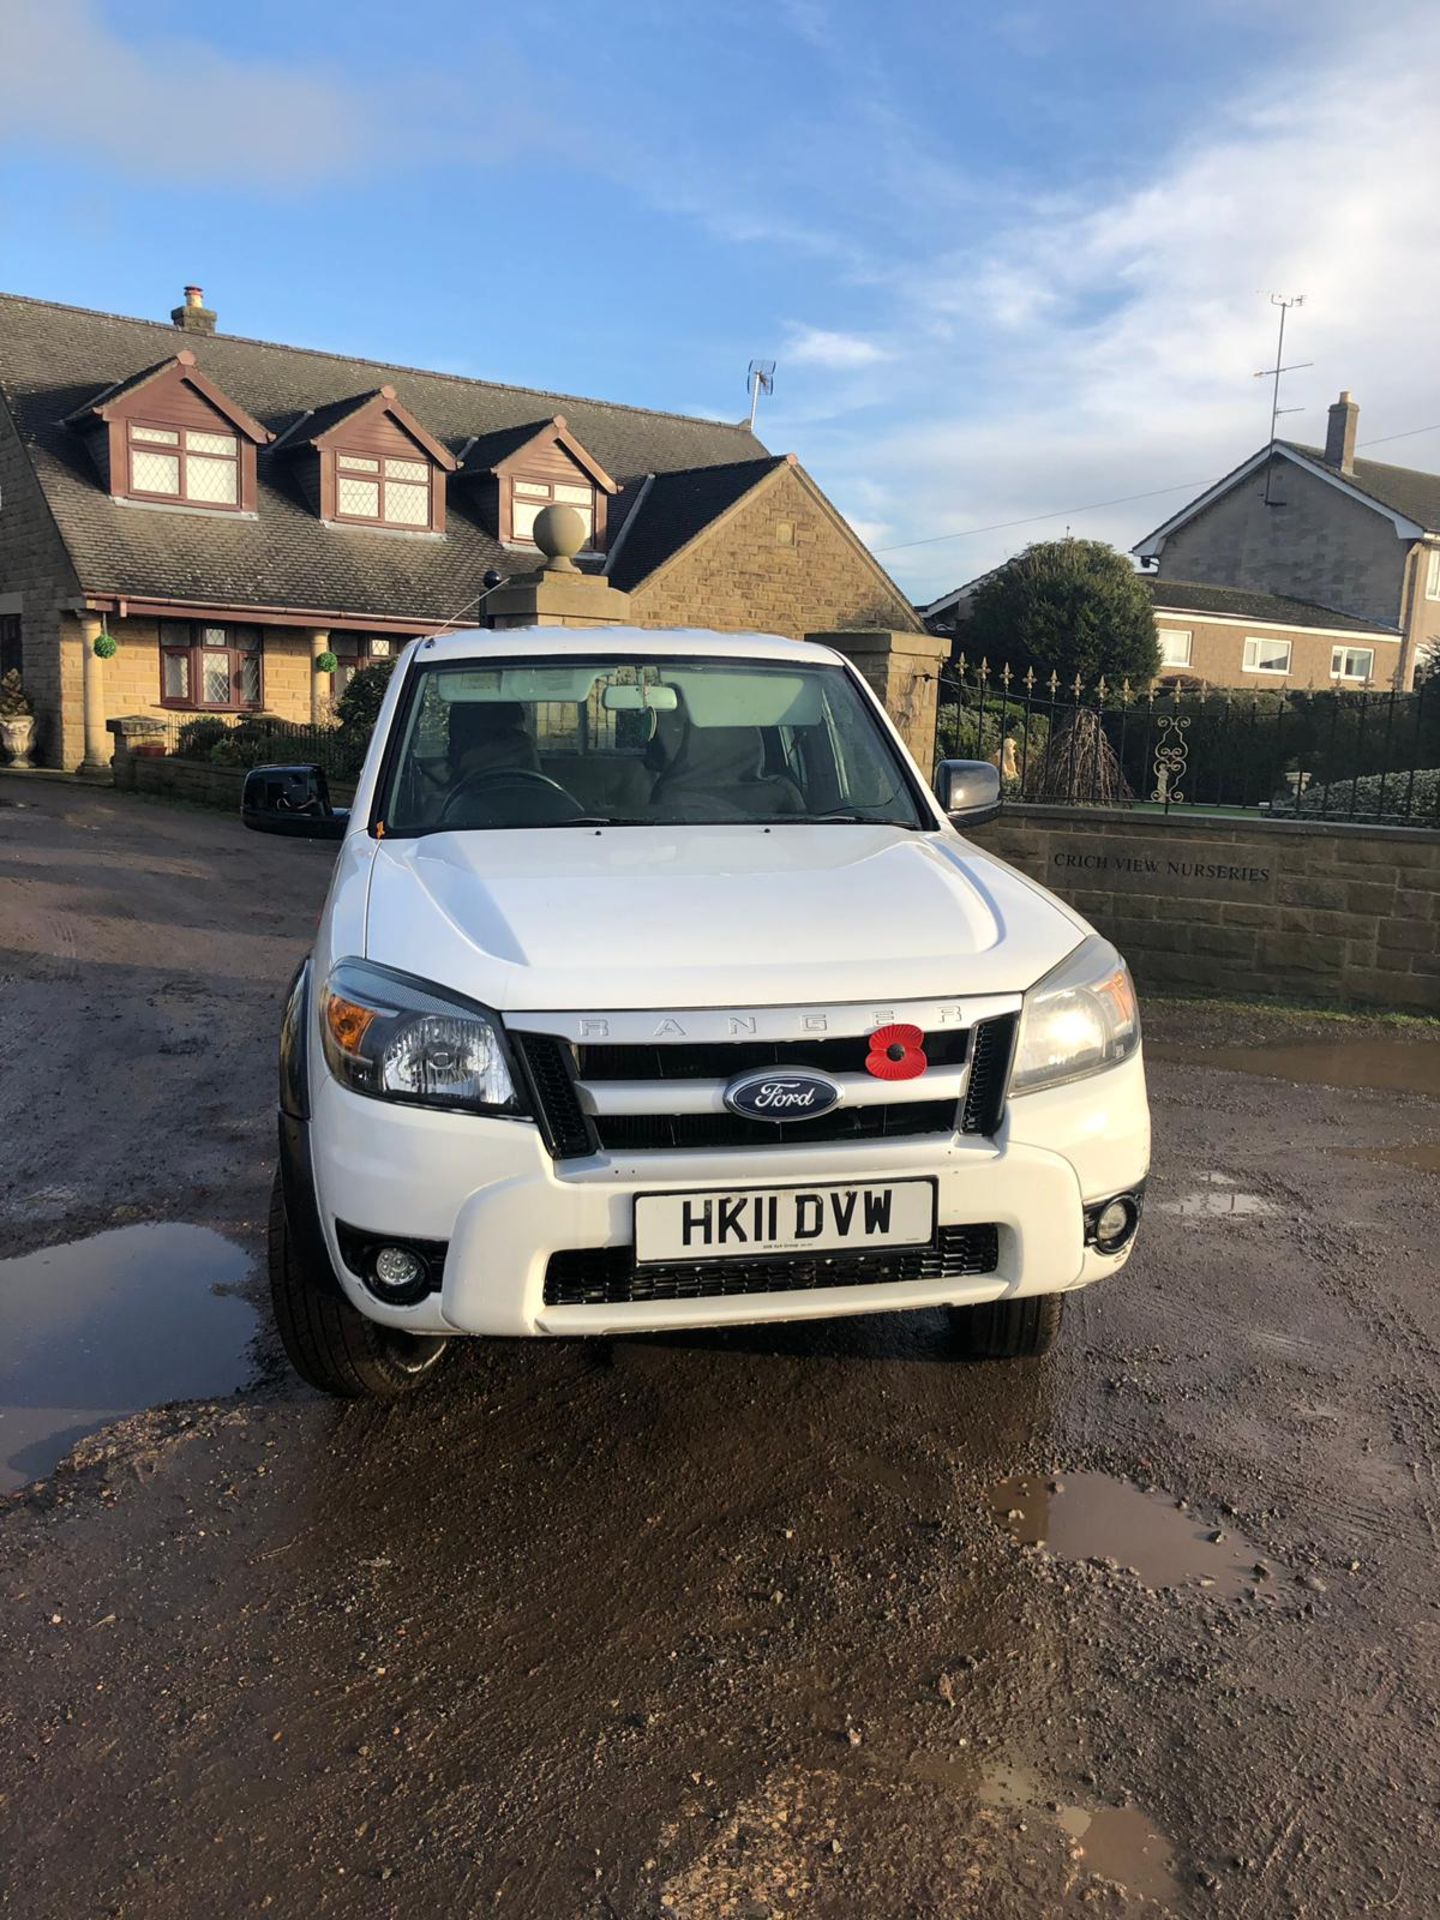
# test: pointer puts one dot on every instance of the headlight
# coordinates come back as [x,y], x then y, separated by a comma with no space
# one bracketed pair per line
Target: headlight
[396,1038]
[1078,1019]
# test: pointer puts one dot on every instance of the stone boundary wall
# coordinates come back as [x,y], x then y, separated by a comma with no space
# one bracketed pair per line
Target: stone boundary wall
[1225,905]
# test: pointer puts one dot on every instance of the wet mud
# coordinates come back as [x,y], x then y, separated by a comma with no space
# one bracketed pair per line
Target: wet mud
[1387,1065]
[712,1625]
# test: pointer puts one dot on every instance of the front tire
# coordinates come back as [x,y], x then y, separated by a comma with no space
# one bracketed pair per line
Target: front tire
[330,1344]
[1007,1329]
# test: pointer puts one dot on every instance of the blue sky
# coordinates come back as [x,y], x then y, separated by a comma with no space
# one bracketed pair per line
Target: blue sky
[1010,259]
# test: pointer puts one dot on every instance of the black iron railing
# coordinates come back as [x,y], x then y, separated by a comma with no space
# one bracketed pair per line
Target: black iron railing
[1313,754]
[254,740]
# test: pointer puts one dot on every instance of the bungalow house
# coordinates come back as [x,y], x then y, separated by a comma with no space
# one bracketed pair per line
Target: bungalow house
[231,512]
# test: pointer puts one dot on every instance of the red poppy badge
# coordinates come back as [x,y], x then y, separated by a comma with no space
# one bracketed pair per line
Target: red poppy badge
[896,1053]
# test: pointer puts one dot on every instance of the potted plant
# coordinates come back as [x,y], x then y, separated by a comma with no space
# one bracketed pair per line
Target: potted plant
[17,720]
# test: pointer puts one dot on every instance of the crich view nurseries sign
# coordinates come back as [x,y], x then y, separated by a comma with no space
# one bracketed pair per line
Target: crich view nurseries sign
[1148,867]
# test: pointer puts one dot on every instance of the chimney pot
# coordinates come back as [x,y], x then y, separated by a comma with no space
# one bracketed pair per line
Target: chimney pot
[193,316]
[1340,434]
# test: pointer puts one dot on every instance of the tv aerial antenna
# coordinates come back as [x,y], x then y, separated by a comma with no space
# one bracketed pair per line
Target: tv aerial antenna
[1284,302]
[759,379]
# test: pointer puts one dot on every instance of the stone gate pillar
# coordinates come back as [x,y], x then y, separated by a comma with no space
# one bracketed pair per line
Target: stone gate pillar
[558,594]
[903,669]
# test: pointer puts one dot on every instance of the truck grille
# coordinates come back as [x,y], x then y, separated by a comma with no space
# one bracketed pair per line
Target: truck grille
[608,1276]
[554,1068]
[632,1132]
[721,1060]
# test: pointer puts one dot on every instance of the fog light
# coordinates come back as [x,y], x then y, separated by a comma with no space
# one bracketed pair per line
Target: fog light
[398,1270]
[1112,1226]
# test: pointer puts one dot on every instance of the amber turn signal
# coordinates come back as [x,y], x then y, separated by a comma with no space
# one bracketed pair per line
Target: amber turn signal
[348,1022]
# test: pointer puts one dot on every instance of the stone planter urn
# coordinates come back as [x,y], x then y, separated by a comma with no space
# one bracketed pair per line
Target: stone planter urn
[17,738]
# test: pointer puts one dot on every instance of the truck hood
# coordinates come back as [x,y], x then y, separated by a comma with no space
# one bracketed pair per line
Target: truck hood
[705,916]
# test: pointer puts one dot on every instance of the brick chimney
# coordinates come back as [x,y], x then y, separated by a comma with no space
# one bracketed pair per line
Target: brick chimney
[194,316]
[1340,435]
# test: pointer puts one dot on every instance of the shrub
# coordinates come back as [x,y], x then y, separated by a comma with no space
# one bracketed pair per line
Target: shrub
[1074,606]
[358,707]
[14,701]
[197,737]
[1390,799]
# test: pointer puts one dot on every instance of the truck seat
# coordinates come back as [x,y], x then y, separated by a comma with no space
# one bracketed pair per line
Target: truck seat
[718,773]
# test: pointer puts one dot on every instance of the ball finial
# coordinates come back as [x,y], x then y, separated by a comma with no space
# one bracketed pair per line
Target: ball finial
[559,533]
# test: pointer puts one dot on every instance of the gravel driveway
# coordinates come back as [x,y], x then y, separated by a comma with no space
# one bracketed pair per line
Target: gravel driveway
[747,1624]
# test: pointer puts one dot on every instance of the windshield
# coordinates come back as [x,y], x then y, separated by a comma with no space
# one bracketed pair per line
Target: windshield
[652,742]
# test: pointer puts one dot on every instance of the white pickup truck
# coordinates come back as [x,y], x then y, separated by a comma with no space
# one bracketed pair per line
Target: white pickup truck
[656,989]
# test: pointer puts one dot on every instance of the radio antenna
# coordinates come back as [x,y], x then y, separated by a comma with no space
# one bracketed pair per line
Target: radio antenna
[1284,303]
[760,379]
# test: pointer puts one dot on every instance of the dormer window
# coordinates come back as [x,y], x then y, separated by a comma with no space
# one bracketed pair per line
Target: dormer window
[184,463]
[529,496]
[170,437]
[519,471]
[368,462]
[385,491]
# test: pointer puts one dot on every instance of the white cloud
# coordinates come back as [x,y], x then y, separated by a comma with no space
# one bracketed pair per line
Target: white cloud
[1097,349]
[171,106]
[838,352]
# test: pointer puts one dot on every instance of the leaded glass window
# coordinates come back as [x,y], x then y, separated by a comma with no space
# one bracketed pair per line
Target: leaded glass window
[386,491]
[528,497]
[210,666]
[185,464]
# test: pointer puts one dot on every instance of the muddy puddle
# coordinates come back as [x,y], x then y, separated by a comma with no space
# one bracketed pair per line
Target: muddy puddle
[1217,1197]
[1120,1844]
[1090,1516]
[111,1325]
[1390,1066]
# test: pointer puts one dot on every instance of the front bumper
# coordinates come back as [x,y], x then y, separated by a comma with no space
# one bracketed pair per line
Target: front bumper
[489,1188]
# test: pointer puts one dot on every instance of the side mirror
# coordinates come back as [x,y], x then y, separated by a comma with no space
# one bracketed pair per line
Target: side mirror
[293,800]
[968,791]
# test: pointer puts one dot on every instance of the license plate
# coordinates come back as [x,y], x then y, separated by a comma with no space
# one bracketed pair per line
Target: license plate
[732,1223]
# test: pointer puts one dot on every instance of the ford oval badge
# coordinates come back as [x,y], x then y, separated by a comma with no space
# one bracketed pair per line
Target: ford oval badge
[781,1095]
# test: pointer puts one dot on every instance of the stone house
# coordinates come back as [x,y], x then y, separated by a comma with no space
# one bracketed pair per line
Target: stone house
[1356,541]
[232,511]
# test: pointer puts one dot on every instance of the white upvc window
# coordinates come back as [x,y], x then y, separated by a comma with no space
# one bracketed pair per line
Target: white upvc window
[528,497]
[1175,646]
[1432,574]
[1263,655]
[1352,663]
[387,491]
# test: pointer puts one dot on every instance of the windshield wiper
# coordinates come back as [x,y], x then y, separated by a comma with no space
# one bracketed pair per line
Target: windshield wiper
[597,820]
[840,816]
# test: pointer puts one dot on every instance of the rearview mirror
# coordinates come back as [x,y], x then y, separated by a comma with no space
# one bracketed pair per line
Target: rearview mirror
[968,791]
[635,699]
[293,800]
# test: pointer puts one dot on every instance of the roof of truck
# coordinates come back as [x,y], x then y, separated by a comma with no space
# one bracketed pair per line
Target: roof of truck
[483,643]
